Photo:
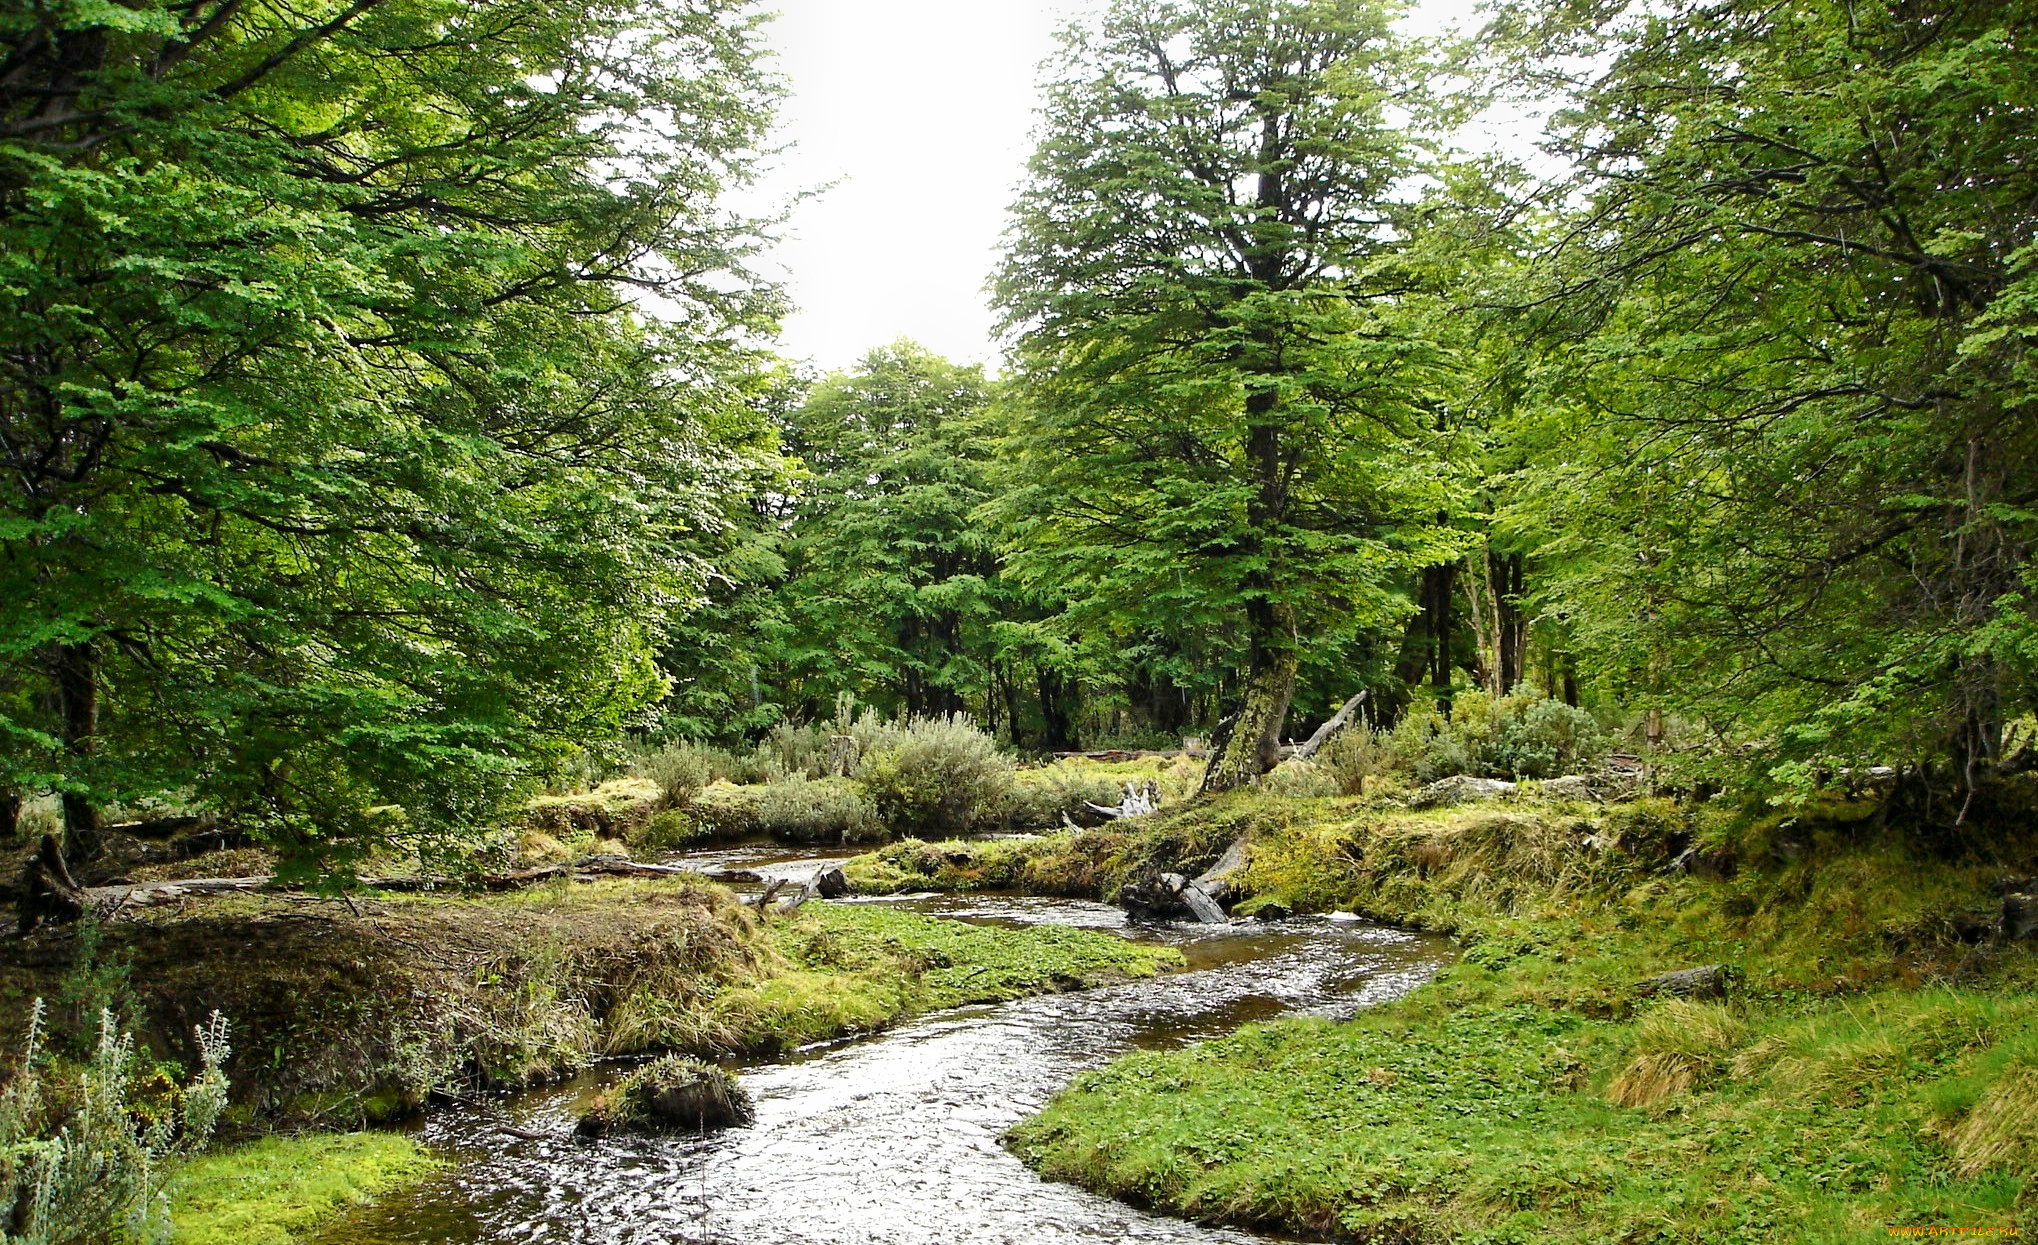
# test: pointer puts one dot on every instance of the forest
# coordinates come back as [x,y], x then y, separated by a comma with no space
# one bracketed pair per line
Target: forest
[415,536]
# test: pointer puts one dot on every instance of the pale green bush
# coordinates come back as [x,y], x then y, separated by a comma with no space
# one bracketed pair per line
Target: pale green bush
[797,810]
[88,1166]
[680,769]
[1040,797]
[935,773]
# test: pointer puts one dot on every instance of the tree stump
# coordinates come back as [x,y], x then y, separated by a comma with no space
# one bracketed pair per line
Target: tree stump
[48,894]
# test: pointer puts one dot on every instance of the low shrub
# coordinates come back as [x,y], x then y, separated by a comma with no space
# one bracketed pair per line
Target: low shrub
[1523,735]
[1040,797]
[670,831]
[796,810]
[680,769]
[87,1164]
[937,773]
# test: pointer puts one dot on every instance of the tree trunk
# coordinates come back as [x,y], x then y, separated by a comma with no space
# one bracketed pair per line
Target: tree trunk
[1055,719]
[1505,574]
[76,671]
[1438,582]
[1254,746]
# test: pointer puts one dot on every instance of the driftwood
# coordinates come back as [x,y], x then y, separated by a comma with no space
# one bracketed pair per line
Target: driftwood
[1220,879]
[829,883]
[763,901]
[1332,727]
[1167,896]
[1137,802]
[48,894]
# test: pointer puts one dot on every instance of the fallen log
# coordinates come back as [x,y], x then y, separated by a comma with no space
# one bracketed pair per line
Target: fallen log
[1708,981]
[162,827]
[1332,727]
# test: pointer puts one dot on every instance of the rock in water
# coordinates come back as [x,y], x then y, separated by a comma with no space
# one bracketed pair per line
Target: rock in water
[673,1094]
[1460,789]
[831,883]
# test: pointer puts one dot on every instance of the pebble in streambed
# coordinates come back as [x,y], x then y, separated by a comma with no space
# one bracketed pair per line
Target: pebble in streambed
[892,1140]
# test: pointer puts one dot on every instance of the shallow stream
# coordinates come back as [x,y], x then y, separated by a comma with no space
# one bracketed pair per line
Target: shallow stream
[888,1139]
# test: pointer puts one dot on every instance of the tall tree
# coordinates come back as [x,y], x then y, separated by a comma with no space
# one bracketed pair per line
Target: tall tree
[1787,429]
[893,580]
[339,474]
[1226,411]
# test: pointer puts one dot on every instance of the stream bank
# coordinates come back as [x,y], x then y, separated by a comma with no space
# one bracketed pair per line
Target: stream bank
[346,1012]
[893,1138]
[1671,1022]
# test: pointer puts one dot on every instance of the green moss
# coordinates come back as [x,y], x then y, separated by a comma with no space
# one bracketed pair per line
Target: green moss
[273,1191]
[616,809]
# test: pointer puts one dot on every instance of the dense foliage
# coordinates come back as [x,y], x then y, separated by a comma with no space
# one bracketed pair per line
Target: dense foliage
[1222,409]
[1780,437]
[340,473]
[387,425]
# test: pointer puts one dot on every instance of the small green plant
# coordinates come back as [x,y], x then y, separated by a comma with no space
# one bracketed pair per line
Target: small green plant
[87,1165]
[97,983]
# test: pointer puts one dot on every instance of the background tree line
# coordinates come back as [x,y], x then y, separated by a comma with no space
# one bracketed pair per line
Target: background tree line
[349,485]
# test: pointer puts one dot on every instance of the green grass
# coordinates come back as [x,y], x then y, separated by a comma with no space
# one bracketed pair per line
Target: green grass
[272,1191]
[855,968]
[1868,1067]
[1489,1123]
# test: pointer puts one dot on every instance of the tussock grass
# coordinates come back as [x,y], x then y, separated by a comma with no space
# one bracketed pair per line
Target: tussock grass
[1678,1046]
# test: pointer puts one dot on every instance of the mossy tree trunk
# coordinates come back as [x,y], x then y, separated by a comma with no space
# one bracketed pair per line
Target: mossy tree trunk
[1254,745]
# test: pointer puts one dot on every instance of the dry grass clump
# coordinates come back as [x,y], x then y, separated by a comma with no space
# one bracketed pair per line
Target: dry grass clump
[2002,1129]
[1679,1046]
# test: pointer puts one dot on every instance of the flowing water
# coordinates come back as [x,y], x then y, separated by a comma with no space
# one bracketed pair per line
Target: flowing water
[888,1139]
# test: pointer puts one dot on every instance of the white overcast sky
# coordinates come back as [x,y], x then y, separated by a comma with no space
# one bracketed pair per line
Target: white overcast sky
[919,111]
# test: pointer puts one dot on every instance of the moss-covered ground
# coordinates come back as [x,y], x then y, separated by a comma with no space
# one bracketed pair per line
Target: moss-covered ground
[1874,1060]
[273,1191]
